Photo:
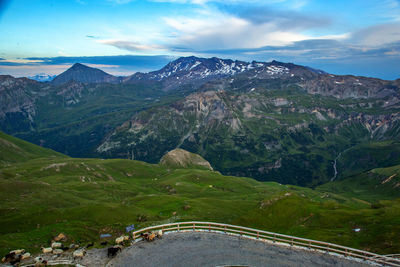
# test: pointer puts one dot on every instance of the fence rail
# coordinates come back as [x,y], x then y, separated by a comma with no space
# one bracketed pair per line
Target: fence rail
[272,237]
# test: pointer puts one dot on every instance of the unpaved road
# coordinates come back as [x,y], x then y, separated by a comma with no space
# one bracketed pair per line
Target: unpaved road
[213,249]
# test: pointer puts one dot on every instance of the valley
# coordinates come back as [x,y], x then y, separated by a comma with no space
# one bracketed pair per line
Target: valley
[45,193]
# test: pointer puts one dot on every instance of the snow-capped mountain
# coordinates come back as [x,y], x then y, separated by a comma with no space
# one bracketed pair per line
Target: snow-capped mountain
[196,70]
[42,77]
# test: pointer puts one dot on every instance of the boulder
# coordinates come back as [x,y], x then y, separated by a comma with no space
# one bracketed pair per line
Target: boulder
[80,253]
[47,250]
[56,245]
[25,256]
[119,240]
[18,251]
[73,246]
[57,251]
[60,237]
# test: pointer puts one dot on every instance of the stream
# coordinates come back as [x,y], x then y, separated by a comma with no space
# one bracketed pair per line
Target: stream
[335,164]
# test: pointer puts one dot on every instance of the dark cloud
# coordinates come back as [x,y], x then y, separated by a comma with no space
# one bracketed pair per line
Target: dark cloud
[127,60]
[4,62]
[117,65]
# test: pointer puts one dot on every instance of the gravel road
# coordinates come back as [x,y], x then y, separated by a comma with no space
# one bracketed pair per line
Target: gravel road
[213,249]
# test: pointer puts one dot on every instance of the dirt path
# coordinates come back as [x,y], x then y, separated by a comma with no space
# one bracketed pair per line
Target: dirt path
[213,249]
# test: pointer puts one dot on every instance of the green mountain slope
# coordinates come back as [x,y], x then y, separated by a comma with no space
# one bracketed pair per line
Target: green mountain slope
[14,150]
[84,198]
[373,185]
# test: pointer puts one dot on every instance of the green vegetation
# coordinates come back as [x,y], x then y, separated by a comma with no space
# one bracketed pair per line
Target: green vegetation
[14,150]
[374,185]
[46,193]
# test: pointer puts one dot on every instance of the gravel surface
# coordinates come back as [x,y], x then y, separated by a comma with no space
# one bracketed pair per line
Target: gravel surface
[213,249]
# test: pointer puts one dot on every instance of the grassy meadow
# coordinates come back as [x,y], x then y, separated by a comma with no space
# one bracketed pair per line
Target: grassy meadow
[44,193]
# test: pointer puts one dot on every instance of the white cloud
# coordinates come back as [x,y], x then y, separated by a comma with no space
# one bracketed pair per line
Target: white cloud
[377,35]
[131,45]
[214,29]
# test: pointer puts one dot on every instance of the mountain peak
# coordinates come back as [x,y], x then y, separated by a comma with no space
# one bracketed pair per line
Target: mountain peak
[85,74]
[79,65]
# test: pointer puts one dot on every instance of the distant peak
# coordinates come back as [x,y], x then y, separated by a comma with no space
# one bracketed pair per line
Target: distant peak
[79,65]
[84,74]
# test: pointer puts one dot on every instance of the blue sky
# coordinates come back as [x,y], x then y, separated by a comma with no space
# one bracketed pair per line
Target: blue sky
[125,36]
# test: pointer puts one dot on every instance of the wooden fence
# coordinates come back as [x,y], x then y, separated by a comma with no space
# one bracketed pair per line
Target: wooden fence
[272,237]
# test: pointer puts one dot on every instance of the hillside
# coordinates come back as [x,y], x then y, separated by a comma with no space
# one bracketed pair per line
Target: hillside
[14,150]
[373,185]
[84,198]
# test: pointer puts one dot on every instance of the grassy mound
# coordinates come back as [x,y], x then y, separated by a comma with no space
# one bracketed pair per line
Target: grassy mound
[180,158]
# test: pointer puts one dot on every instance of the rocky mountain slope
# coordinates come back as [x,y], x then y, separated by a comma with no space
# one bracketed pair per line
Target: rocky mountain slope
[290,137]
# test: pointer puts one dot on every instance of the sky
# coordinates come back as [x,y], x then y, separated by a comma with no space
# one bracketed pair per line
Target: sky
[359,37]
